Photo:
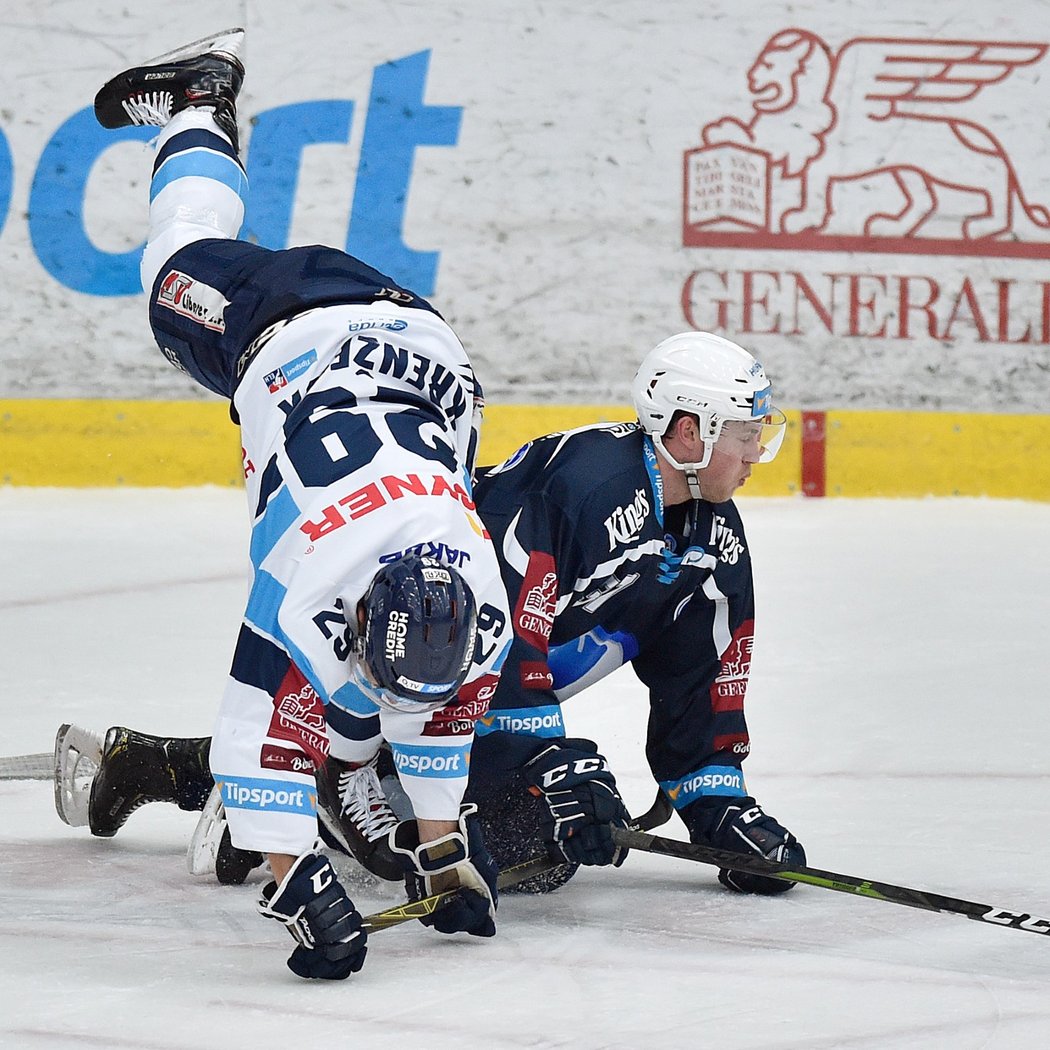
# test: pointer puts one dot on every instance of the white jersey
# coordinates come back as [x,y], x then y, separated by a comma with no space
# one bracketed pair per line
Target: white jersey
[358,426]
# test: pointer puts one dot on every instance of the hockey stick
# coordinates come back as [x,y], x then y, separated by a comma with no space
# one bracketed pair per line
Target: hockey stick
[657,814]
[27,767]
[383,920]
[830,880]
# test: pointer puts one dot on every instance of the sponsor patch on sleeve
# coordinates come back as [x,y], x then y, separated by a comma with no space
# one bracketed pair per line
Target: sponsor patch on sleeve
[269,796]
[534,612]
[535,674]
[706,781]
[530,721]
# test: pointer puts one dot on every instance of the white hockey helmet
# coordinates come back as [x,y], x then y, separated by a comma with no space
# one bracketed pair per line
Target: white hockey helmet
[713,379]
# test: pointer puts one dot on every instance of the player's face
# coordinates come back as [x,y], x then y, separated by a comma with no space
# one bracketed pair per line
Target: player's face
[738,448]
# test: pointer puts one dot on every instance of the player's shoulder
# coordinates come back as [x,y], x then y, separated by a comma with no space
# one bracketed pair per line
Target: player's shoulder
[600,450]
[595,466]
[586,459]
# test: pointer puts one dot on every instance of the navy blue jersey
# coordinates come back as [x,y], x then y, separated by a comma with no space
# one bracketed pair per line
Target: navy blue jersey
[599,573]
[215,303]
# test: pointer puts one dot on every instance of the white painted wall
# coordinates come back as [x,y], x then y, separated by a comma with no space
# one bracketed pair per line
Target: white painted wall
[557,208]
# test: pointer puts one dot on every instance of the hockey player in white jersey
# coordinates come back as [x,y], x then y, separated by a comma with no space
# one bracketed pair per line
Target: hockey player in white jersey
[376,590]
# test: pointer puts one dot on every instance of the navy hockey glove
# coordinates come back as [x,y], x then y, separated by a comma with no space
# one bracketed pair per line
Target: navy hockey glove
[582,801]
[312,903]
[457,860]
[739,824]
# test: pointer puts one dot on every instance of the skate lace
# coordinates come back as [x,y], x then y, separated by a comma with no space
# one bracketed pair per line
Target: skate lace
[364,802]
[150,107]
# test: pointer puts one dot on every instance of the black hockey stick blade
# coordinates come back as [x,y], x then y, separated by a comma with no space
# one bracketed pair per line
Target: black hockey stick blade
[657,814]
[830,880]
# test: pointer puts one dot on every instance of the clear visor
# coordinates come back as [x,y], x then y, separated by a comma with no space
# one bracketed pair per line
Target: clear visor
[384,698]
[756,441]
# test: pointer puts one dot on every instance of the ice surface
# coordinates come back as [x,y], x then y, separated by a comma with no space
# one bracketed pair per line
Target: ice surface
[898,713]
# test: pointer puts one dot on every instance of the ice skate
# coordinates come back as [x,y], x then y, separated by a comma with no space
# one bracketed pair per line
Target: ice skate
[206,73]
[212,851]
[136,768]
[355,812]
[78,754]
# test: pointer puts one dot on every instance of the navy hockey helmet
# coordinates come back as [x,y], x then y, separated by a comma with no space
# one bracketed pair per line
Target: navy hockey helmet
[417,637]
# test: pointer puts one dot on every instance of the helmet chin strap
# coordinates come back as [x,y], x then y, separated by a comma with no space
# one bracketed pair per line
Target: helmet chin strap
[690,470]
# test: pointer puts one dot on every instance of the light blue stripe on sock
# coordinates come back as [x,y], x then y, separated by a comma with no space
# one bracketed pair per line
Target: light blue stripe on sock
[204,164]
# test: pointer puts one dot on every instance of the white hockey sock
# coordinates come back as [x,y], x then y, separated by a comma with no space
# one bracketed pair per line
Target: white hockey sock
[195,193]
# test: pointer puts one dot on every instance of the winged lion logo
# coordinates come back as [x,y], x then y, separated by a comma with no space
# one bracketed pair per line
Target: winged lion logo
[875,146]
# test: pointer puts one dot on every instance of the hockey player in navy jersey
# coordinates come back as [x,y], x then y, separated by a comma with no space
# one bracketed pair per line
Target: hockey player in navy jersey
[358,411]
[621,544]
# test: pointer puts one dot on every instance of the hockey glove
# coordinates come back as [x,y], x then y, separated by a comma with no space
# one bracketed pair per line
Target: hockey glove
[312,903]
[740,824]
[582,801]
[458,860]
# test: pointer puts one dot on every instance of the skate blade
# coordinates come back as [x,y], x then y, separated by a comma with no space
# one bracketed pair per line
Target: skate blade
[207,836]
[78,754]
[227,42]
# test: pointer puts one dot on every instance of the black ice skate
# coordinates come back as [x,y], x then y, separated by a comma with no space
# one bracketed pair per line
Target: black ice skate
[136,768]
[207,72]
[355,815]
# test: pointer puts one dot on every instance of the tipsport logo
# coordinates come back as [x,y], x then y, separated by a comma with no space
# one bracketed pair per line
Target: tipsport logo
[532,721]
[710,780]
[289,372]
[271,796]
[435,762]
[396,121]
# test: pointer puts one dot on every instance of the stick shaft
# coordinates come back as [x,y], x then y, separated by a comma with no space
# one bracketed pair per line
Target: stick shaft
[27,767]
[830,880]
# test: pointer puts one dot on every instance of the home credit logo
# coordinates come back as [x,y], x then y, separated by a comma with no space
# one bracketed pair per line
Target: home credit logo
[877,147]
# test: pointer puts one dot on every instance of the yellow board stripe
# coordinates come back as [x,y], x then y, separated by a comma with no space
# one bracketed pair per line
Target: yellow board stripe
[938,454]
[92,443]
[137,443]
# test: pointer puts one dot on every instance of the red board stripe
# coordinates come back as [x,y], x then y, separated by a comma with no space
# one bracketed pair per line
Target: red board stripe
[814,426]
